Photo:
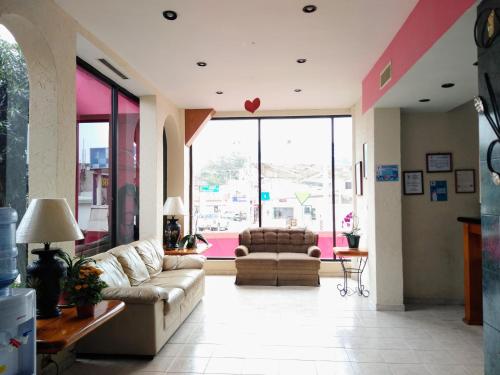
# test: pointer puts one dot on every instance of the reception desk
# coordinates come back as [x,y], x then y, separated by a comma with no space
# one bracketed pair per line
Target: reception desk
[473,272]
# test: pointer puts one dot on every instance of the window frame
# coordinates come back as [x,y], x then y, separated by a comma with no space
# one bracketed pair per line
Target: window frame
[116,89]
[259,167]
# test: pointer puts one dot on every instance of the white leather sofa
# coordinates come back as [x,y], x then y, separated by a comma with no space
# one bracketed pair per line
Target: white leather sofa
[159,292]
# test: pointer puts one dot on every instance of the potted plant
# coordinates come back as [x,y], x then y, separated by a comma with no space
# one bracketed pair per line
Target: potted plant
[351,221]
[84,286]
[72,267]
[190,241]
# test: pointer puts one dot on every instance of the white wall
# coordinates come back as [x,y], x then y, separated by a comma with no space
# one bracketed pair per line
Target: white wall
[379,209]
[158,114]
[432,238]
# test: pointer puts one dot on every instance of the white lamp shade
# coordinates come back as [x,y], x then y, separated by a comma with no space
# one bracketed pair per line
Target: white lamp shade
[174,207]
[46,221]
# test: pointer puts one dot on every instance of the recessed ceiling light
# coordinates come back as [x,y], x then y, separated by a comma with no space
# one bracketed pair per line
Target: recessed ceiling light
[170,15]
[447,85]
[297,90]
[201,63]
[424,100]
[219,92]
[301,61]
[309,9]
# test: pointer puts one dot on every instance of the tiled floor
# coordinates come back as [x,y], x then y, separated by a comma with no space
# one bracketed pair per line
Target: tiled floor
[303,330]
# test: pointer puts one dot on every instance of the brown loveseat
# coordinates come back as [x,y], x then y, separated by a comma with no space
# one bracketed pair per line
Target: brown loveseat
[272,256]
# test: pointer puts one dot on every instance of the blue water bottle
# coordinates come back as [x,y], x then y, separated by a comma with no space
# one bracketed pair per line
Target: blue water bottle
[8,249]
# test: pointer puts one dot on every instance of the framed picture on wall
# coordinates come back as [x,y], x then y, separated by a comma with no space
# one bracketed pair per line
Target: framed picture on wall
[358,175]
[365,159]
[413,182]
[465,181]
[439,162]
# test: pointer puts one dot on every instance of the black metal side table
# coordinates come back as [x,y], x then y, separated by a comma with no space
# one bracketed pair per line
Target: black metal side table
[345,254]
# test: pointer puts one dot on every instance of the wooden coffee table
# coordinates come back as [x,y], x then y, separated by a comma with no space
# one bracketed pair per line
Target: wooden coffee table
[55,334]
[344,254]
[178,251]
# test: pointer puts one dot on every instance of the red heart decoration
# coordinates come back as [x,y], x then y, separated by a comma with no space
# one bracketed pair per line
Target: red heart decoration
[252,106]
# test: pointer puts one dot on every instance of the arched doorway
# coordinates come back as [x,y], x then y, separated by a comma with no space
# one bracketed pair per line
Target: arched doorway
[165,172]
[14,119]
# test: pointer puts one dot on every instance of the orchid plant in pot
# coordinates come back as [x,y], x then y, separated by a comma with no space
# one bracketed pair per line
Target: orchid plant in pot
[190,241]
[350,222]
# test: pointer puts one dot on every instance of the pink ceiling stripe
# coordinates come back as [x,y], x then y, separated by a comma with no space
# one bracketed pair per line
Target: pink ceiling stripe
[428,21]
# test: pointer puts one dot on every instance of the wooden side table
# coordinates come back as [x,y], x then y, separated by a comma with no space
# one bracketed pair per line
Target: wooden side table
[344,254]
[55,334]
[178,251]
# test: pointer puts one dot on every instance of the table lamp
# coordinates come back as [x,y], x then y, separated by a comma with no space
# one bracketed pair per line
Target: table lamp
[172,233]
[47,221]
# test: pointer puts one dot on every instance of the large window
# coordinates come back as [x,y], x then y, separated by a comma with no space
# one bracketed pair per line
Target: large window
[297,175]
[14,106]
[225,183]
[304,166]
[107,163]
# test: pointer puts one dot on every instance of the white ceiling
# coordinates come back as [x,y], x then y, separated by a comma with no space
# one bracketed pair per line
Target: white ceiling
[250,47]
[451,60]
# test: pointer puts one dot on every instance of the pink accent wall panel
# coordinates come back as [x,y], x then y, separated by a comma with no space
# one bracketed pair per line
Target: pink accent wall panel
[426,24]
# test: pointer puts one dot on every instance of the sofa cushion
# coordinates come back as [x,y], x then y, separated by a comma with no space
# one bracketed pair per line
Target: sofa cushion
[132,264]
[146,295]
[182,279]
[263,261]
[177,262]
[150,255]
[113,274]
[177,273]
[297,261]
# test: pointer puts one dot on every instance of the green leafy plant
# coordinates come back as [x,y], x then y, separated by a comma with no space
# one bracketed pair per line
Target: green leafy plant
[189,241]
[73,264]
[83,285]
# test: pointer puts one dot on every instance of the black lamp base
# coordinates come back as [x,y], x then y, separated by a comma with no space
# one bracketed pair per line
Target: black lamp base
[172,233]
[45,276]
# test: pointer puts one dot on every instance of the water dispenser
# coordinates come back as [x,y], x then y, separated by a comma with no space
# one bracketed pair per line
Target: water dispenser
[17,306]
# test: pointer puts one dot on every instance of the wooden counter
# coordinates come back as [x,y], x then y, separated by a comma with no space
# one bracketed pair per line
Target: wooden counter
[473,271]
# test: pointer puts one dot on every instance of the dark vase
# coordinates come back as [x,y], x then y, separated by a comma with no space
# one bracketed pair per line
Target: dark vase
[45,275]
[172,233]
[85,311]
[353,241]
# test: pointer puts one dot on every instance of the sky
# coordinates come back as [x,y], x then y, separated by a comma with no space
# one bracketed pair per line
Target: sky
[6,35]
[92,135]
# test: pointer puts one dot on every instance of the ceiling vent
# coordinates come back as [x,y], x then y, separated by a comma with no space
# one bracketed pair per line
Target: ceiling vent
[386,75]
[113,69]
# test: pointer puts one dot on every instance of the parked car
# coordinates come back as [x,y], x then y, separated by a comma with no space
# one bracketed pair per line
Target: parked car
[212,222]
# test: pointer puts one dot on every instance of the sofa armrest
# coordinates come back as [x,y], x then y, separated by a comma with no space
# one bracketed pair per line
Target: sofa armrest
[179,262]
[146,295]
[241,251]
[314,251]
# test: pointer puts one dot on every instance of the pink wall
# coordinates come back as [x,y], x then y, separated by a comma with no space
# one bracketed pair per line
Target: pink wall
[425,25]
